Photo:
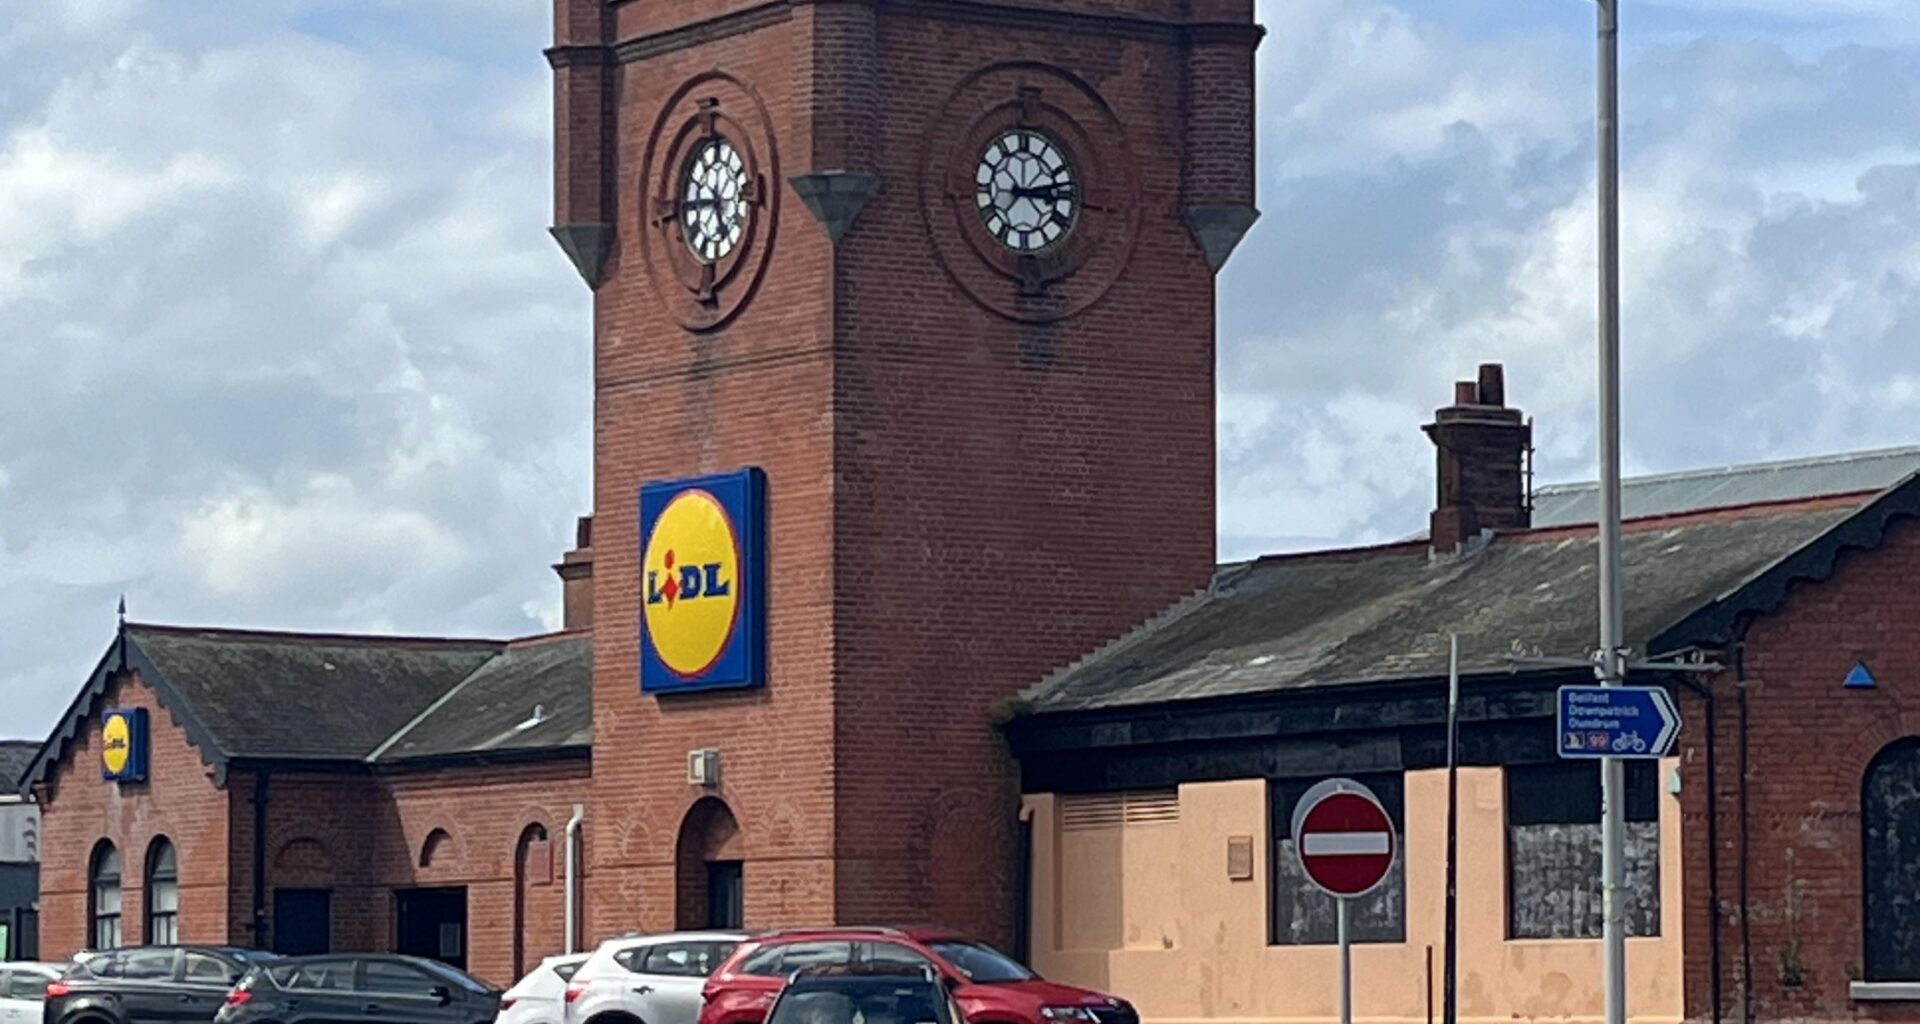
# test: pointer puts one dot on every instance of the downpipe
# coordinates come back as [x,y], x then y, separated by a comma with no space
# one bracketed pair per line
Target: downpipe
[573,877]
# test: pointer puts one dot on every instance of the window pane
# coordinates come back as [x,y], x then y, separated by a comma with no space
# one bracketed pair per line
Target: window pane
[1554,847]
[793,956]
[322,975]
[201,967]
[891,953]
[686,959]
[165,897]
[982,963]
[163,929]
[763,962]
[399,979]
[106,935]
[1303,914]
[149,964]
[1891,813]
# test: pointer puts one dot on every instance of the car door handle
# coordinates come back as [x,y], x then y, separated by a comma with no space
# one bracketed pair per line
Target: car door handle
[643,990]
[370,1008]
[186,999]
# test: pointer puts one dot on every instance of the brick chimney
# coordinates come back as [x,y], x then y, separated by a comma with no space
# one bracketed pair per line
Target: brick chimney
[576,578]
[1482,447]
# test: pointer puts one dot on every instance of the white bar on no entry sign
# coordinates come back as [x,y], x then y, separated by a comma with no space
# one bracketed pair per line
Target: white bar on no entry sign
[1346,844]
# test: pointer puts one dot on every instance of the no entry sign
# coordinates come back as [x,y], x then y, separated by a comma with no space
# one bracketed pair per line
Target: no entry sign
[1343,837]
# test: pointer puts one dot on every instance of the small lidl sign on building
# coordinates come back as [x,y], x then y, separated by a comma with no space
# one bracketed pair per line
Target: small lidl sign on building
[123,745]
[1617,721]
[703,591]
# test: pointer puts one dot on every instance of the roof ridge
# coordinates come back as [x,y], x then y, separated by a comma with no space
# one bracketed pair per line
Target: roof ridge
[1750,509]
[427,712]
[294,636]
[1737,468]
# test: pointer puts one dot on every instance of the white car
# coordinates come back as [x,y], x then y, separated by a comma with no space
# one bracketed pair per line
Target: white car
[654,979]
[23,991]
[540,997]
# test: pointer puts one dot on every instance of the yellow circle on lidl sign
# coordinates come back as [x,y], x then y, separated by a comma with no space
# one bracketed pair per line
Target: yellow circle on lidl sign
[116,744]
[692,581]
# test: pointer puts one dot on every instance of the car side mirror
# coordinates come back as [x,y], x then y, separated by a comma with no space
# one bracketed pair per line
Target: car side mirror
[440,994]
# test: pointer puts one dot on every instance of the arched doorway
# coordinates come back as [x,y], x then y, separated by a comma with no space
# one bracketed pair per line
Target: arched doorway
[1890,822]
[532,865]
[711,878]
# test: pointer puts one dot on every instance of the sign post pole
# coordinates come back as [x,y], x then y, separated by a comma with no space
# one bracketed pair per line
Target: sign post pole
[1346,967]
[1346,846]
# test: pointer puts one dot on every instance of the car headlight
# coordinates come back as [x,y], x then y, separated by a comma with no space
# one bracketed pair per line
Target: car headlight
[1069,1014]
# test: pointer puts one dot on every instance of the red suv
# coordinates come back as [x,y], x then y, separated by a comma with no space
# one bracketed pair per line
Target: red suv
[990,987]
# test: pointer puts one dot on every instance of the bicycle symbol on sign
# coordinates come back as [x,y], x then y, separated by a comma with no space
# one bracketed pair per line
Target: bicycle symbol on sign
[1629,743]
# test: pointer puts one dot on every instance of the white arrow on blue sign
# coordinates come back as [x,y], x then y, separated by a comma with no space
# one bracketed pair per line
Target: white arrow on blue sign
[1617,721]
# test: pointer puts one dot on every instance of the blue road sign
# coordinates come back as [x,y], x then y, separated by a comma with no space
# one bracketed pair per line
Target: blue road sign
[1617,721]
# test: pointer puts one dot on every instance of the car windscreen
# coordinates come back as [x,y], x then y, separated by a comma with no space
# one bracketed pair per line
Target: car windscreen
[981,963]
[861,1001]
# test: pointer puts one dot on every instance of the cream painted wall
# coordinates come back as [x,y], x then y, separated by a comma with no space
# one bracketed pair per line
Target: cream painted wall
[1147,911]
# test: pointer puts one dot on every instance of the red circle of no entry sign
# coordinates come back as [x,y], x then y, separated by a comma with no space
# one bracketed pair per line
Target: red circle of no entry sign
[1343,837]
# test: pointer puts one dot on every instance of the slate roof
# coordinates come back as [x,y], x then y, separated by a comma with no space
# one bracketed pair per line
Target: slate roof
[536,694]
[16,756]
[1382,614]
[353,700]
[1755,483]
[295,696]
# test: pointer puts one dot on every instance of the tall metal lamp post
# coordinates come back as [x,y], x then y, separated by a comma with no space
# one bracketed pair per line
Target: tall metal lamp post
[1611,657]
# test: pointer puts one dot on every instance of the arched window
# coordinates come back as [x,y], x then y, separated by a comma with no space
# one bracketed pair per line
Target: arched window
[1890,823]
[434,848]
[163,893]
[103,896]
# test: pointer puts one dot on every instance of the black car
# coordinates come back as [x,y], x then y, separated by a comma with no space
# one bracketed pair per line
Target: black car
[148,985]
[366,988]
[865,994]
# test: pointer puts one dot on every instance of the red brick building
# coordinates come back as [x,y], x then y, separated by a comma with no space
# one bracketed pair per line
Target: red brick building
[399,787]
[942,273]
[936,277]
[1773,862]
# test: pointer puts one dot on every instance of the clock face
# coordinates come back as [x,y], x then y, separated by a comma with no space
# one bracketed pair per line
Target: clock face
[1028,194]
[713,204]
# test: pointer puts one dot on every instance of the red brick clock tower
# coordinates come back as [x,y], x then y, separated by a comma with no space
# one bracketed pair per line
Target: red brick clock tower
[940,275]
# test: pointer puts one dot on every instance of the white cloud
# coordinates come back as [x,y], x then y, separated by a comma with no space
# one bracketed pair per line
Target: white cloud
[288,344]
[1430,205]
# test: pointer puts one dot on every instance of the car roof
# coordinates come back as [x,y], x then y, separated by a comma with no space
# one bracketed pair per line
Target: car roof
[32,965]
[917,933]
[649,939]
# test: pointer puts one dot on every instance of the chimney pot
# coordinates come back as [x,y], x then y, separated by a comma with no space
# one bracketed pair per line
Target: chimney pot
[1466,392]
[1493,384]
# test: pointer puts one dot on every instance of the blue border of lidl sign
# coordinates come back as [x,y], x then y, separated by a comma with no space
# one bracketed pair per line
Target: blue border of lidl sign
[741,664]
[136,767]
[1616,721]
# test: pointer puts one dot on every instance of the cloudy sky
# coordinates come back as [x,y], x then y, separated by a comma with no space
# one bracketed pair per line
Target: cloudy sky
[283,342]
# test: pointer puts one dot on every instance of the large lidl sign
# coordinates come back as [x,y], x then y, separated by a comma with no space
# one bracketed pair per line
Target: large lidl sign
[703,592]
